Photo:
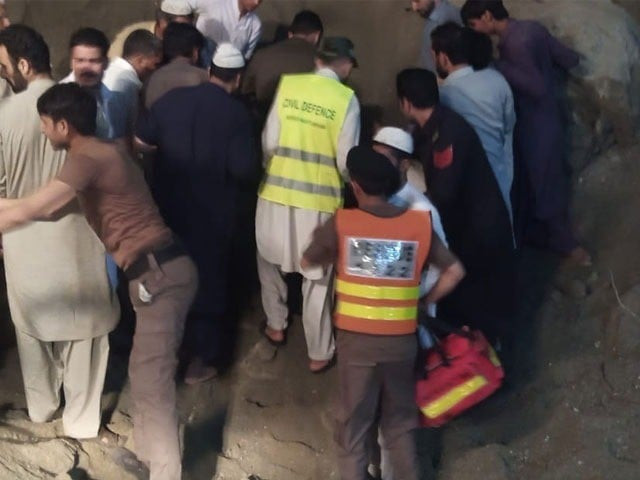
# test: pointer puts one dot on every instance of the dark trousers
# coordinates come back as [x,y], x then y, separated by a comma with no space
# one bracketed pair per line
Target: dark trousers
[153,361]
[376,377]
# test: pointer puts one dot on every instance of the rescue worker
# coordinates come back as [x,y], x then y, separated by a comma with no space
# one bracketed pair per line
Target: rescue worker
[379,251]
[313,123]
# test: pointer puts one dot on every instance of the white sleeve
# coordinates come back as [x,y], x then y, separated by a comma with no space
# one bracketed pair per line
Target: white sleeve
[254,38]
[271,133]
[195,5]
[349,136]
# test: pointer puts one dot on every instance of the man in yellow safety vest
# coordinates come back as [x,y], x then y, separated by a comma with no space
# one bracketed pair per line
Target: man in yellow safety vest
[313,123]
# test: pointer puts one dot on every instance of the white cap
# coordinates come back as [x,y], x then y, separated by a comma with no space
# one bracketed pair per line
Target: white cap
[396,138]
[176,7]
[227,56]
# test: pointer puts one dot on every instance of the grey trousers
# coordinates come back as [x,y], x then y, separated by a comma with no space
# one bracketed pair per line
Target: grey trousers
[375,379]
[154,359]
[78,367]
[317,298]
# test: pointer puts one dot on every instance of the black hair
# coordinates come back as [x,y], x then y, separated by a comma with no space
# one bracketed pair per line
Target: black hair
[90,37]
[474,9]
[377,186]
[141,42]
[24,42]
[224,74]
[180,39]
[418,86]
[306,22]
[450,39]
[72,103]
[462,45]
[481,49]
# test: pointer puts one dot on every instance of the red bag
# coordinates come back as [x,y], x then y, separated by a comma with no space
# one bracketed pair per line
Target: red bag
[460,372]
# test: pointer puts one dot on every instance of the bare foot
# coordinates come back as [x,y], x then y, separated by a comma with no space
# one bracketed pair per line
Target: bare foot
[276,336]
[318,366]
[579,256]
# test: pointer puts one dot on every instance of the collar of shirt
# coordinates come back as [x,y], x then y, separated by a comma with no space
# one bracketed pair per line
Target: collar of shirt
[327,72]
[119,65]
[39,81]
[461,72]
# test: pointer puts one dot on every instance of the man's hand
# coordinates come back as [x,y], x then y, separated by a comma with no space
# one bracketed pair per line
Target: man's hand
[305,264]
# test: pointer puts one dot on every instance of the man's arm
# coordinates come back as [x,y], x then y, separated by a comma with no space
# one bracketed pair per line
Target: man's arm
[517,65]
[562,55]
[42,205]
[242,161]
[451,270]
[271,133]
[349,136]
[323,249]
[146,132]
[254,38]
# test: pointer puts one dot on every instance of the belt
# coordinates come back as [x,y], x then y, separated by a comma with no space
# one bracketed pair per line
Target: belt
[162,255]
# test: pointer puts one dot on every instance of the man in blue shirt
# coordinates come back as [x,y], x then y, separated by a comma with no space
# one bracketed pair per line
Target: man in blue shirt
[481,96]
[435,13]
[88,49]
[206,151]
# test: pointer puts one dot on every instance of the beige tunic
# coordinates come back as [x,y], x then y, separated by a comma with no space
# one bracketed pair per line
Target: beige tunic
[56,273]
[5,89]
[283,232]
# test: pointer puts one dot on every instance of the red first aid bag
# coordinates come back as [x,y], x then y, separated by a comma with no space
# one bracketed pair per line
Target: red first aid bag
[460,372]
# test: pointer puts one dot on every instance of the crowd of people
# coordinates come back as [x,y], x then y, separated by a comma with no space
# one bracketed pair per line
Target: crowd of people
[130,181]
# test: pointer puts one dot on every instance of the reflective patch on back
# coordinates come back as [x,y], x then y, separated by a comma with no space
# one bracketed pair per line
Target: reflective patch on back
[378,258]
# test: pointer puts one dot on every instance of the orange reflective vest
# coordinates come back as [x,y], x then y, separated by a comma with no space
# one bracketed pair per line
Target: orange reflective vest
[378,271]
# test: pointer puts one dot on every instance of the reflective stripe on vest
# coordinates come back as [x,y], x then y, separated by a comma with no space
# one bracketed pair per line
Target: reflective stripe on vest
[302,172]
[377,293]
[378,271]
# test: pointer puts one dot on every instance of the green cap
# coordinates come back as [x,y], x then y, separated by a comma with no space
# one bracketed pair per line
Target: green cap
[337,47]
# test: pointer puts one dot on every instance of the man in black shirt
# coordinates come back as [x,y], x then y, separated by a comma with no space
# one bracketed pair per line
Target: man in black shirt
[205,154]
[462,186]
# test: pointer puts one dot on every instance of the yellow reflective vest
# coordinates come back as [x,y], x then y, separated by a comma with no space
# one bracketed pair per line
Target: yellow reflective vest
[303,171]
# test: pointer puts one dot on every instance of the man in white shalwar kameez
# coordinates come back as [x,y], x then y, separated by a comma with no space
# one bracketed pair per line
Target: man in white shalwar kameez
[313,123]
[60,299]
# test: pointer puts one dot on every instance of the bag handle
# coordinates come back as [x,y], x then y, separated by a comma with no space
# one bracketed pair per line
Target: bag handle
[434,323]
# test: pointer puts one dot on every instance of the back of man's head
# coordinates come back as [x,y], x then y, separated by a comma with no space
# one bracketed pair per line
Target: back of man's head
[306,22]
[451,40]
[372,171]
[22,42]
[180,40]
[72,103]
[474,9]
[90,37]
[227,63]
[141,42]
[419,87]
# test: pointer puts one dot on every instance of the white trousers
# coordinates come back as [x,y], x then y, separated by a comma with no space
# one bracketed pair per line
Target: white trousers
[317,300]
[79,367]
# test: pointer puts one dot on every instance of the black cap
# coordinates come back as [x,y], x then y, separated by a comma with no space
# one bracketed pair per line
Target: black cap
[367,164]
[337,47]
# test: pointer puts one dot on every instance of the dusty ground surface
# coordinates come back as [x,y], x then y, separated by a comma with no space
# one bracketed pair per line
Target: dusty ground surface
[572,411]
